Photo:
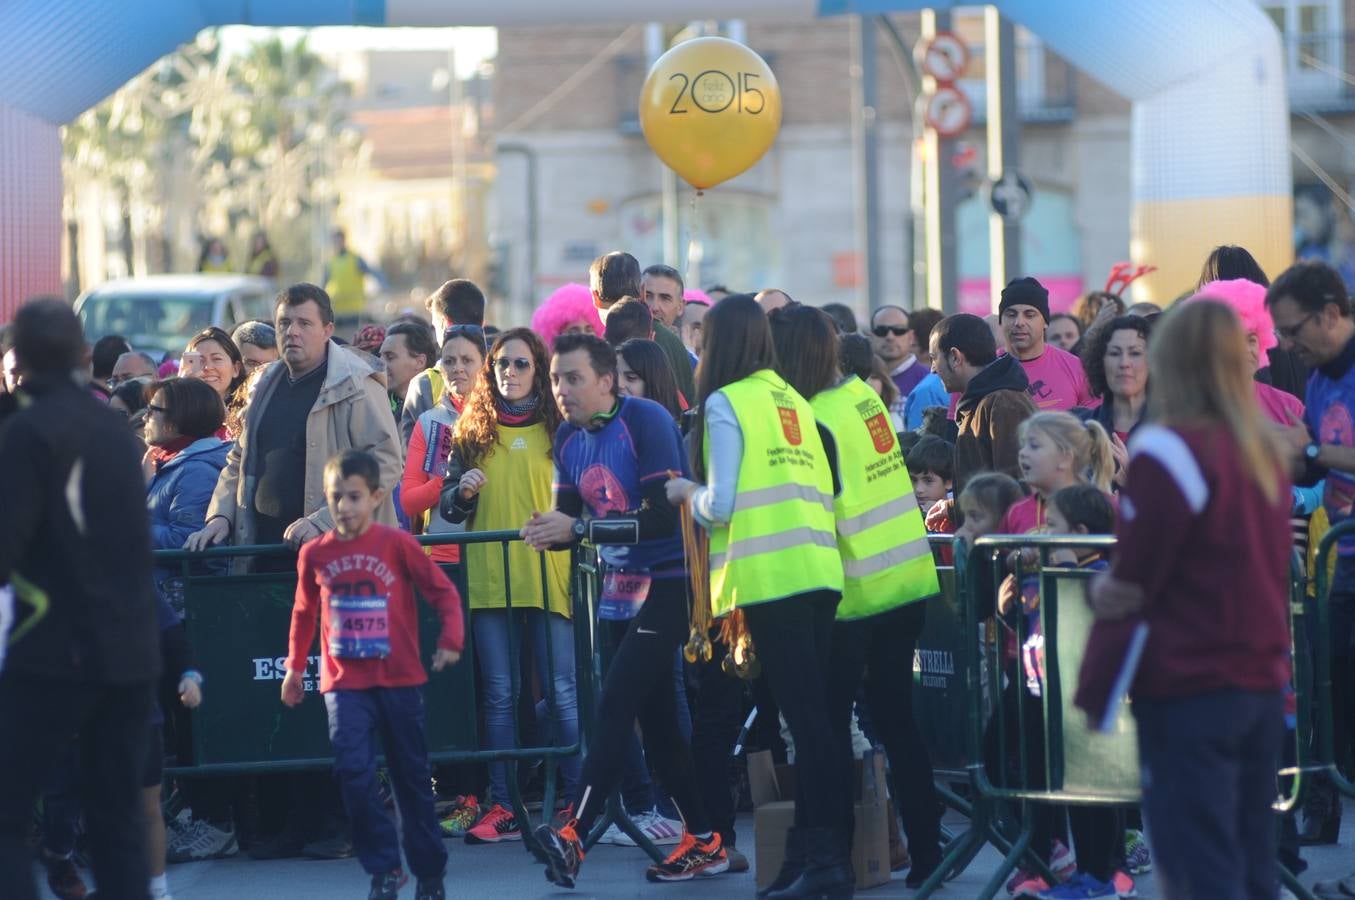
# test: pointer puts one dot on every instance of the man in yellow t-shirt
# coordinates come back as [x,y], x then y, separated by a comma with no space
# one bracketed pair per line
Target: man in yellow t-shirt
[345,282]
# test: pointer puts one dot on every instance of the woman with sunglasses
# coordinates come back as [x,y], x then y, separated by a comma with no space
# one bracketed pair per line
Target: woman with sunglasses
[499,473]
[463,356]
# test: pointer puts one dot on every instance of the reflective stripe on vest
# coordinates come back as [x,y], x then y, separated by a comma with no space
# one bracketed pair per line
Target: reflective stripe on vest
[770,543]
[886,559]
[780,540]
[781,493]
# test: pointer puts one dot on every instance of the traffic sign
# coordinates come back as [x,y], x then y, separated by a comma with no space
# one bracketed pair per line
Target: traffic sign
[945,57]
[1010,196]
[949,111]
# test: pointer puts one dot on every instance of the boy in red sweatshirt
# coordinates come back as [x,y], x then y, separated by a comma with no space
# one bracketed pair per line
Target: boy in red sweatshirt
[358,579]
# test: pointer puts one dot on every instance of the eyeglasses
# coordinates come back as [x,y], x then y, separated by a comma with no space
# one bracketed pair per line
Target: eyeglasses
[896,330]
[1289,332]
[503,363]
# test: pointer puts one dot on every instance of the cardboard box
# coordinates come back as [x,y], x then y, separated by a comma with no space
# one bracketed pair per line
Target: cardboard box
[774,814]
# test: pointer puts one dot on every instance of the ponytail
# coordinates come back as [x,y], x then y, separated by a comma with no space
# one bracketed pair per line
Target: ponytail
[1100,458]
[1087,442]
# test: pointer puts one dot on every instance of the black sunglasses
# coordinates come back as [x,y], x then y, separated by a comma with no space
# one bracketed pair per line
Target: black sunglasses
[521,364]
[896,330]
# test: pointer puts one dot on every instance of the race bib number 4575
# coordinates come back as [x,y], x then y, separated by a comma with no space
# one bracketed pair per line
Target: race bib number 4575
[359,628]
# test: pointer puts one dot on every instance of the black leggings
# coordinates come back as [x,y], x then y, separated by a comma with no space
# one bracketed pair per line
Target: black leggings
[793,638]
[640,684]
[1096,829]
[880,649]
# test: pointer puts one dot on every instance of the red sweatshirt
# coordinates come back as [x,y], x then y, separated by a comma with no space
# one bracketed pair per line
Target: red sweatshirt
[1212,554]
[381,563]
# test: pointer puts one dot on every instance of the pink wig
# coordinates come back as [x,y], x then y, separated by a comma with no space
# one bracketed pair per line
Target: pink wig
[692,295]
[1248,300]
[568,304]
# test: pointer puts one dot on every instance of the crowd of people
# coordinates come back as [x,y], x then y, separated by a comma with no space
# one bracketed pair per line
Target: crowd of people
[763,481]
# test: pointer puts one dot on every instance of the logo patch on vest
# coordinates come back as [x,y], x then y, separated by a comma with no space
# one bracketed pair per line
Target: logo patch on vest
[519,444]
[790,422]
[881,431]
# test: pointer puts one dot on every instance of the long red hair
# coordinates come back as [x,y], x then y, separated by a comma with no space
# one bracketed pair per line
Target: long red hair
[477,429]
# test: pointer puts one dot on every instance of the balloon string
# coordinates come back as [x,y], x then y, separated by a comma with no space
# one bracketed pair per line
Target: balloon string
[693,235]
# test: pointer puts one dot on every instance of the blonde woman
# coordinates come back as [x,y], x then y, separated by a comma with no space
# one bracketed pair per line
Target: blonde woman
[1202,560]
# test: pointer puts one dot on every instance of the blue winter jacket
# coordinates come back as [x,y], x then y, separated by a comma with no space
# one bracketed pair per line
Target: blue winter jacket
[177,499]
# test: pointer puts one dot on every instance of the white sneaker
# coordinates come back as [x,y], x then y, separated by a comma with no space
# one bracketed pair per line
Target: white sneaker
[202,840]
[614,835]
[660,831]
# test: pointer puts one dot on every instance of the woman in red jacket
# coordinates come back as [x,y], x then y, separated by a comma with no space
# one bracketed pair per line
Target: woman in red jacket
[463,356]
[1203,558]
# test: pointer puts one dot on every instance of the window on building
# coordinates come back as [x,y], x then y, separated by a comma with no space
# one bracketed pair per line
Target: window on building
[1313,45]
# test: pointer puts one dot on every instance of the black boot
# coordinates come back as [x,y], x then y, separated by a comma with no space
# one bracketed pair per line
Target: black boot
[1321,814]
[793,865]
[827,872]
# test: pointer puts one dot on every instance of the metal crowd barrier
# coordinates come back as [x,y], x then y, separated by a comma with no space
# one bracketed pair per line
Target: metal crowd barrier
[238,628]
[962,666]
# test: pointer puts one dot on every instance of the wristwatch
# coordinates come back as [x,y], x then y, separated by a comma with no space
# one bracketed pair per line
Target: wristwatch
[1312,452]
[580,529]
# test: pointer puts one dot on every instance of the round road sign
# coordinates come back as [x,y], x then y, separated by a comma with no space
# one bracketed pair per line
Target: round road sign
[949,111]
[945,57]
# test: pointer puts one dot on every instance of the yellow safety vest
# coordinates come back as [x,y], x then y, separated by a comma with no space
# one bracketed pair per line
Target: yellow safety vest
[257,263]
[886,560]
[345,286]
[210,268]
[780,541]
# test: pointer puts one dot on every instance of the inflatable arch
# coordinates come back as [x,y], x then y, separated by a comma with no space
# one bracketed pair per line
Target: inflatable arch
[1210,135]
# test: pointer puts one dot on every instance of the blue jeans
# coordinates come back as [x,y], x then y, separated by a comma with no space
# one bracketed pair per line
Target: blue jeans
[1209,764]
[492,651]
[397,715]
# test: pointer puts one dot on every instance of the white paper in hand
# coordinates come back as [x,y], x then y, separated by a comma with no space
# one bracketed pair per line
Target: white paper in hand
[6,620]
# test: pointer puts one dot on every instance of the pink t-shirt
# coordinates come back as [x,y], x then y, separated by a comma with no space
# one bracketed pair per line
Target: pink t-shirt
[1278,405]
[1029,515]
[1057,381]
[1023,516]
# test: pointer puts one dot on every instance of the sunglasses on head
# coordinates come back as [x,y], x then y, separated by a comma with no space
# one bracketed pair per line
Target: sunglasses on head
[896,330]
[503,363]
[473,333]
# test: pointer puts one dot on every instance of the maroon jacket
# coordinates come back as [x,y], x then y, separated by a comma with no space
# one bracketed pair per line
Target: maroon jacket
[1212,554]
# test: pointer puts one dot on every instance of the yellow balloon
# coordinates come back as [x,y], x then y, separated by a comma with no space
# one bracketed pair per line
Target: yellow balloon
[710,108]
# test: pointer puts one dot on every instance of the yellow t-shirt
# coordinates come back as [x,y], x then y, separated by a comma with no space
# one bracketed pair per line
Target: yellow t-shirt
[518,476]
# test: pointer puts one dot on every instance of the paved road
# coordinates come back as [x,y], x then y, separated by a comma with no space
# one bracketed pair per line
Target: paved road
[507,872]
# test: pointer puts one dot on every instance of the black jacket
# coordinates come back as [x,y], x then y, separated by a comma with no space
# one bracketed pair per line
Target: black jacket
[74,529]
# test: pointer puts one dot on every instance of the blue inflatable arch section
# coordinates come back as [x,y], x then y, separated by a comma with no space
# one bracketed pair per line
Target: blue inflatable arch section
[1210,156]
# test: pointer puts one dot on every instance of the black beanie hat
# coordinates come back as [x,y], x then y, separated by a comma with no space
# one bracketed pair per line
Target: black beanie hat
[1025,292]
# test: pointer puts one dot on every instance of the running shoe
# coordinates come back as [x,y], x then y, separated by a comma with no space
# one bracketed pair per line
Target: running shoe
[499,824]
[387,885]
[660,830]
[563,851]
[430,889]
[691,858]
[1079,887]
[63,878]
[1062,861]
[1026,883]
[461,817]
[202,840]
[1124,884]
[1137,857]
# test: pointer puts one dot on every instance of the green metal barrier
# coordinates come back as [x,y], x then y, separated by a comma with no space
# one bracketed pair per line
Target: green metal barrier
[1076,766]
[238,627]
